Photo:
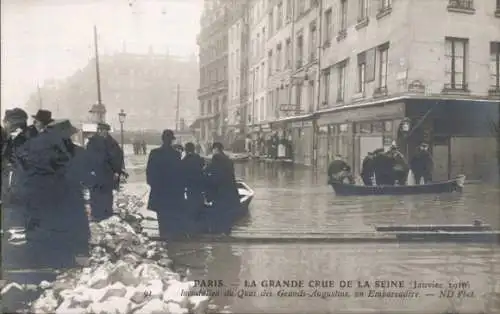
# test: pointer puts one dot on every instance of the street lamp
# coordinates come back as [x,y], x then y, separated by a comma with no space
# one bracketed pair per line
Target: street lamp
[121,117]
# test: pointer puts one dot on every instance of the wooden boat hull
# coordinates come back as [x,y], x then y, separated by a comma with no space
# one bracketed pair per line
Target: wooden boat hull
[455,185]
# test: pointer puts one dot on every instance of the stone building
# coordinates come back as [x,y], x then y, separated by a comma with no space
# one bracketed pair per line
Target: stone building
[411,71]
[213,91]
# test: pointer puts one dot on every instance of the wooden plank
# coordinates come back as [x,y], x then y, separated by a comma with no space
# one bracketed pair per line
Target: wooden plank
[451,227]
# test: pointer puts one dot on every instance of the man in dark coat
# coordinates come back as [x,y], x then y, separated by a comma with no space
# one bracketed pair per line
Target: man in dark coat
[338,170]
[422,165]
[18,132]
[367,170]
[222,191]
[400,166]
[163,175]
[383,166]
[106,165]
[77,175]
[42,119]
[44,159]
[194,181]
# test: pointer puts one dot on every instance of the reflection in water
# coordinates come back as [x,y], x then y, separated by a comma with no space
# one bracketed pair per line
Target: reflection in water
[477,265]
[298,200]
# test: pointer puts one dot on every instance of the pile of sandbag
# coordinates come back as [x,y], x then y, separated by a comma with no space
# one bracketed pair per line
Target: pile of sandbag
[127,273]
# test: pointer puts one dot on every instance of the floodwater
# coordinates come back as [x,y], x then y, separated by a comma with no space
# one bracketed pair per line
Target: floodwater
[296,199]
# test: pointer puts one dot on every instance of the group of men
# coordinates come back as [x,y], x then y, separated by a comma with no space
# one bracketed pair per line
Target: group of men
[140,147]
[188,195]
[387,168]
[50,185]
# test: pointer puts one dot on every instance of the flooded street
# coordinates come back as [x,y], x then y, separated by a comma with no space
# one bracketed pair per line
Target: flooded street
[298,200]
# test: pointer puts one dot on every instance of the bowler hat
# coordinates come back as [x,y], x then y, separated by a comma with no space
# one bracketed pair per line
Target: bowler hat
[16,115]
[103,126]
[44,116]
[168,134]
[63,126]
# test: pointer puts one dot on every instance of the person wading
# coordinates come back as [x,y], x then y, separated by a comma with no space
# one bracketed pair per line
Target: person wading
[194,183]
[163,175]
[422,165]
[222,191]
[106,165]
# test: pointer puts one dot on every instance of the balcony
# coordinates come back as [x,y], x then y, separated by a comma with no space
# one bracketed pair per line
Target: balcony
[461,6]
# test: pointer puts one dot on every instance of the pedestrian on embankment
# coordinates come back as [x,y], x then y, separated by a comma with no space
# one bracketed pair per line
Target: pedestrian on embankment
[163,175]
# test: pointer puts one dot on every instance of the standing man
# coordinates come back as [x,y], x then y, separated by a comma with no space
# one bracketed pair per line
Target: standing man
[223,190]
[422,165]
[163,175]
[18,132]
[194,183]
[106,165]
[42,119]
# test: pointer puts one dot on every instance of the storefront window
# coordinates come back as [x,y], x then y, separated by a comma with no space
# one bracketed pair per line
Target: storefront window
[378,127]
[364,128]
[388,126]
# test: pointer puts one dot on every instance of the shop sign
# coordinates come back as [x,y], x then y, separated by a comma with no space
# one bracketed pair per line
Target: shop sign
[266,127]
[297,124]
[307,123]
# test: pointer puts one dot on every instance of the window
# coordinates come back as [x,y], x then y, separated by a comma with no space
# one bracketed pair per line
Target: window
[278,57]
[298,95]
[270,63]
[257,108]
[262,52]
[363,10]
[456,58]
[326,87]
[300,7]
[385,4]
[262,109]
[279,16]
[257,78]
[276,103]
[271,23]
[328,27]
[361,72]
[300,50]
[343,15]
[262,72]
[257,50]
[495,65]
[312,42]
[289,4]
[312,95]
[341,68]
[288,52]
[383,53]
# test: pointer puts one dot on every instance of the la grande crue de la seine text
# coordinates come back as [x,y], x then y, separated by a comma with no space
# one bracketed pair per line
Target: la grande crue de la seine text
[267,283]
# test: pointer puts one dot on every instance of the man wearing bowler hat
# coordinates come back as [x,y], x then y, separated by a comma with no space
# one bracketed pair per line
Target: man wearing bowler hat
[163,175]
[106,166]
[42,119]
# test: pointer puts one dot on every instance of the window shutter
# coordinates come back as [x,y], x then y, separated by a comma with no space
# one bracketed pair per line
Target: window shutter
[370,64]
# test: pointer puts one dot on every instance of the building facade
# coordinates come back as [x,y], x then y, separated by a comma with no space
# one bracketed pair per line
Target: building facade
[350,76]
[213,91]
[433,65]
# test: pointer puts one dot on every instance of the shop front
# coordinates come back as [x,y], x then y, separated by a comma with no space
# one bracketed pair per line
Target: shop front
[462,135]
[353,132]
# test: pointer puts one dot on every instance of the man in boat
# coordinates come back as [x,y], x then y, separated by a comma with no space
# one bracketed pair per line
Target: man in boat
[222,190]
[367,170]
[106,162]
[400,166]
[194,182]
[383,168]
[340,171]
[163,171]
[422,165]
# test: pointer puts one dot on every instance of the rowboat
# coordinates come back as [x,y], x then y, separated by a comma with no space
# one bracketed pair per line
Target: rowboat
[455,185]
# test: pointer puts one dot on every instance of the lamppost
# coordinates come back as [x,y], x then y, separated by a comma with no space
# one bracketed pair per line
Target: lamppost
[121,117]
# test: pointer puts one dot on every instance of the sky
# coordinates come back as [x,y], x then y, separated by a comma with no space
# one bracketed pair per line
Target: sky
[50,39]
